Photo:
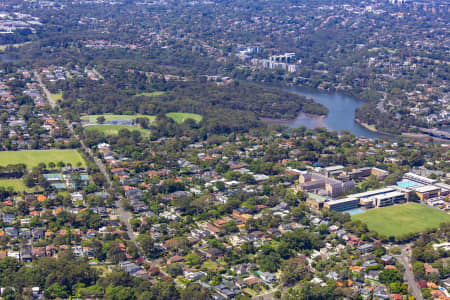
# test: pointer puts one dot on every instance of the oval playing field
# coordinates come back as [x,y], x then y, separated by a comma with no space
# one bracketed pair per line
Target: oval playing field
[401,219]
[31,158]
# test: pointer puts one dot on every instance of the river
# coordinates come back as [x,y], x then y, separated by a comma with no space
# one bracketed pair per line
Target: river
[7,59]
[341,113]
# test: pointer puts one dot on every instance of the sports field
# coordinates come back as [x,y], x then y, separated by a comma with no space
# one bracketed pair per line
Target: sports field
[152,94]
[111,117]
[3,47]
[402,218]
[181,117]
[176,116]
[16,184]
[114,129]
[31,158]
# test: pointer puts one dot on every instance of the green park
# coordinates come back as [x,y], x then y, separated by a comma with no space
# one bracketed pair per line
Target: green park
[401,219]
[32,158]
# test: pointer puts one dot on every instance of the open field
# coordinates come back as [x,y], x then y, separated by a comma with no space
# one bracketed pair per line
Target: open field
[152,94]
[16,184]
[176,116]
[57,97]
[210,266]
[403,218]
[181,117]
[31,158]
[3,47]
[114,129]
[111,117]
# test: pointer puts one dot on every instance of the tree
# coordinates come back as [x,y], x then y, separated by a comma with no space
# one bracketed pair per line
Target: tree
[174,270]
[294,270]
[43,182]
[323,229]
[116,254]
[195,291]
[416,159]
[192,259]
[269,261]
[8,268]
[220,185]
[389,276]
[9,294]
[164,290]
[398,288]
[222,168]
[56,291]
[419,270]
[28,180]
[119,293]
[231,227]
[101,119]
[147,245]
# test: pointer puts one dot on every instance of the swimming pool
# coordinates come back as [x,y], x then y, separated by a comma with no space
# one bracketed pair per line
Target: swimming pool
[355,211]
[407,184]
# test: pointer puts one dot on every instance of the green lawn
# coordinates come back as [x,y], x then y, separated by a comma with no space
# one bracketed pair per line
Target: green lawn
[16,184]
[111,117]
[57,97]
[181,117]
[152,94]
[3,47]
[210,265]
[31,158]
[176,116]
[403,218]
[114,129]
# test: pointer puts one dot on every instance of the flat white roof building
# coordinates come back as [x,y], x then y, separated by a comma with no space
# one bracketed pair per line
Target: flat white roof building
[418,178]
[427,188]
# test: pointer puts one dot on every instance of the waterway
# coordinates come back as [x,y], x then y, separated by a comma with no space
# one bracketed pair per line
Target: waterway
[341,113]
[6,59]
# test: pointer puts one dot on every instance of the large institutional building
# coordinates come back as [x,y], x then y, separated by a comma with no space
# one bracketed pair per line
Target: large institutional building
[323,189]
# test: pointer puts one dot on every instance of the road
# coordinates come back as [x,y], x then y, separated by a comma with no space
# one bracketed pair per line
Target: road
[267,296]
[380,105]
[46,91]
[403,258]
[97,73]
[124,215]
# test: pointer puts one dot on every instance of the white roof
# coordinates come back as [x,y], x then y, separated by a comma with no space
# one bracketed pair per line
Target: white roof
[388,195]
[373,193]
[426,188]
[334,168]
[443,185]
[348,199]
[413,176]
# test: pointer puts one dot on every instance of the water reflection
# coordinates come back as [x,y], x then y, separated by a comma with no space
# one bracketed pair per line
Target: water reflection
[341,112]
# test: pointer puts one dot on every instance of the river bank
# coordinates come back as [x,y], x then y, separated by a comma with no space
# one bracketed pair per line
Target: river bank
[341,116]
[367,126]
[341,113]
[316,119]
